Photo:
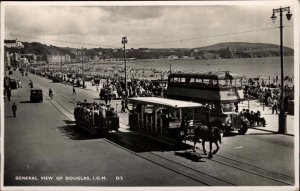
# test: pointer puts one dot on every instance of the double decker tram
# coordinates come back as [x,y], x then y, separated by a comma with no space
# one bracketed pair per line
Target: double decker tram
[220,91]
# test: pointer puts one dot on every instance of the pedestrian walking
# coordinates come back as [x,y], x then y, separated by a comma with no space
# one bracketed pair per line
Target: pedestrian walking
[123,106]
[14,109]
[97,87]
[8,93]
[274,106]
[74,91]
[105,98]
[50,93]
[30,84]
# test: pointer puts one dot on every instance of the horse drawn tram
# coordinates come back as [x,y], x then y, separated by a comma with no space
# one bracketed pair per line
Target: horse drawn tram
[221,91]
[166,120]
[96,118]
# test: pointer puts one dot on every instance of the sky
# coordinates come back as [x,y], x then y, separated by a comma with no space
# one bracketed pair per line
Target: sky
[155,26]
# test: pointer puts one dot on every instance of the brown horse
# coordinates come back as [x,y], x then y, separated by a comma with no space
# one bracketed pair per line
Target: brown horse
[210,134]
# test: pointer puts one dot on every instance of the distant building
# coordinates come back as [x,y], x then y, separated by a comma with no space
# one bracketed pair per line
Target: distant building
[173,57]
[78,58]
[52,59]
[7,59]
[13,44]
[30,57]
[195,50]
[185,57]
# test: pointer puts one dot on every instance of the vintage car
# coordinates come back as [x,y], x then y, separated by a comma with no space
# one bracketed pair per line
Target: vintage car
[13,84]
[56,79]
[36,95]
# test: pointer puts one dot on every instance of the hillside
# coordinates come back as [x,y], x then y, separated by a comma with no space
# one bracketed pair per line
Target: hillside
[242,50]
[216,51]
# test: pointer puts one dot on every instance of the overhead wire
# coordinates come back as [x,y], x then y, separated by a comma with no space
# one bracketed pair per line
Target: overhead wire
[153,43]
[63,41]
[209,36]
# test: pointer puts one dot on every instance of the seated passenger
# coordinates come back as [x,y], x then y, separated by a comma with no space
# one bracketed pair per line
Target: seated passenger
[260,120]
[252,118]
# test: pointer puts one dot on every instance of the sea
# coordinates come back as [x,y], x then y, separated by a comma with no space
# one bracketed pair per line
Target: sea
[250,67]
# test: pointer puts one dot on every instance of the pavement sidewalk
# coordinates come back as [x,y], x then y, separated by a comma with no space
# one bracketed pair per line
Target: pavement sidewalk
[271,119]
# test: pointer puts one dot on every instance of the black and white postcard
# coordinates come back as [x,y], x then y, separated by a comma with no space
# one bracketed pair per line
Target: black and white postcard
[162,95]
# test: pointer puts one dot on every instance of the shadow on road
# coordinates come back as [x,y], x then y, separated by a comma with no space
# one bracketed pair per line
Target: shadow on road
[191,155]
[230,134]
[129,140]
[140,143]
[75,133]
[25,102]
[69,122]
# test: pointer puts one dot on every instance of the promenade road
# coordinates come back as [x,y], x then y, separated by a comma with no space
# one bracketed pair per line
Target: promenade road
[44,141]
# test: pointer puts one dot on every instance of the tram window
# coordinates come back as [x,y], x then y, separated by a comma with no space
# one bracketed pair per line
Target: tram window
[216,109]
[174,113]
[198,80]
[182,80]
[228,107]
[215,82]
[206,81]
[176,79]
[171,79]
[149,109]
[221,82]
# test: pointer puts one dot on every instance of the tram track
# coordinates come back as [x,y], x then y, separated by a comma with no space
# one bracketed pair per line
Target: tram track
[248,168]
[188,171]
[257,171]
[194,175]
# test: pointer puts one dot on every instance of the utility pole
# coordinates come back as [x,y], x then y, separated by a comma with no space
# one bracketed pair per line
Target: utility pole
[61,75]
[124,41]
[83,86]
[282,114]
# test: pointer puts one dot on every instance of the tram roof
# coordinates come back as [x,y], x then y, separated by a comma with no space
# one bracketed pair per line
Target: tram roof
[210,75]
[166,102]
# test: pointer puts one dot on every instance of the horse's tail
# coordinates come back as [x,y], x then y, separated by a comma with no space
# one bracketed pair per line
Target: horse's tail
[217,134]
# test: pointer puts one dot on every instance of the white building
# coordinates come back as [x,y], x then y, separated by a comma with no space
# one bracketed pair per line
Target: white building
[13,44]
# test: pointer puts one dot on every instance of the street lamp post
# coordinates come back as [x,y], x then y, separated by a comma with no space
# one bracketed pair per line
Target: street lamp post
[282,115]
[83,85]
[61,75]
[124,41]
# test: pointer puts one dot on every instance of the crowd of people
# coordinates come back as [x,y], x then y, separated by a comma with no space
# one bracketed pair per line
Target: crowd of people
[111,85]
[254,118]
[88,110]
[268,94]
[109,80]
